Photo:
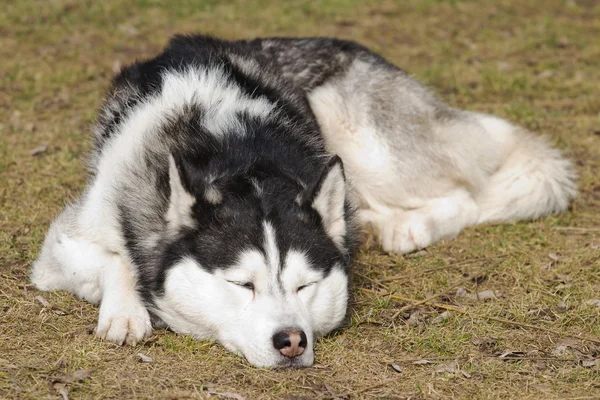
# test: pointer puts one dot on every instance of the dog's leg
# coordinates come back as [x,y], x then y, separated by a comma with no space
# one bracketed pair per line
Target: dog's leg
[123,317]
[406,175]
[403,231]
[73,263]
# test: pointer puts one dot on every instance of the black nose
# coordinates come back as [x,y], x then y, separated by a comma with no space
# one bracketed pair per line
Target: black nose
[290,342]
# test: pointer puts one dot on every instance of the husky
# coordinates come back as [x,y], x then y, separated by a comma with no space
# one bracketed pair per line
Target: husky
[229,181]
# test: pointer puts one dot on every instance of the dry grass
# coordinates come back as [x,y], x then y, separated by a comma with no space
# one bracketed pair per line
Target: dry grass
[533,62]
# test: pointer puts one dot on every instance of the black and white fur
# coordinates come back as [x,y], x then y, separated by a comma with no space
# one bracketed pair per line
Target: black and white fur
[228,181]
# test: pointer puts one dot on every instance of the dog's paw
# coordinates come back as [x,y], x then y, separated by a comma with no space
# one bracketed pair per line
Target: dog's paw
[124,323]
[406,233]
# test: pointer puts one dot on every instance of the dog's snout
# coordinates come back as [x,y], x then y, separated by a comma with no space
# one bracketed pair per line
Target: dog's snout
[291,343]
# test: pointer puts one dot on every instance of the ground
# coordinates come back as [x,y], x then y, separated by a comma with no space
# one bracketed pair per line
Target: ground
[537,335]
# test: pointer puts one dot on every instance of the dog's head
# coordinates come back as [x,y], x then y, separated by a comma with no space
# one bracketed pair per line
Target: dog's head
[258,259]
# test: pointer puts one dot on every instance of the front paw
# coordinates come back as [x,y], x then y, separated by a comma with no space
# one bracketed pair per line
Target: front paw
[123,323]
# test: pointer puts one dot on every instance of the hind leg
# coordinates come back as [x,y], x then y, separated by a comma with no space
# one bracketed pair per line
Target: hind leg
[75,264]
[411,191]
[404,231]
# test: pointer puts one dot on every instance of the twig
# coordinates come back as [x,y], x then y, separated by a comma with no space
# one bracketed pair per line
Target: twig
[575,229]
[439,359]
[534,358]
[491,318]
[116,358]
[409,300]
[432,359]
[430,298]
[540,328]
[457,264]
[376,282]
[359,391]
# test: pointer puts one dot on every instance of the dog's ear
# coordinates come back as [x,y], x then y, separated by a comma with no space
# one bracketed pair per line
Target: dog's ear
[181,200]
[329,200]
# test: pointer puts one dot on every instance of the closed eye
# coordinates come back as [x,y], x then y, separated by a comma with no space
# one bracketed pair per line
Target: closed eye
[245,285]
[305,286]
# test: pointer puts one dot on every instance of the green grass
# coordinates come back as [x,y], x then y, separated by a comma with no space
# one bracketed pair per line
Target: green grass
[534,62]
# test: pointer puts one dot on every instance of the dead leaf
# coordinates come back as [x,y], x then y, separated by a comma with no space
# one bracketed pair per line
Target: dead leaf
[540,364]
[563,286]
[485,295]
[541,388]
[593,302]
[547,266]
[443,317]
[542,311]
[76,376]
[563,278]
[330,390]
[396,368]
[46,304]
[422,362]
[553,256]
[42,301]
[504,66]
[414,319]
[568,347]
[144,358]
[512,353]
[59,383]
[590,363]
[545,74]
[38,150]
[561,307]
[535,353]
[61,388]
[451,368]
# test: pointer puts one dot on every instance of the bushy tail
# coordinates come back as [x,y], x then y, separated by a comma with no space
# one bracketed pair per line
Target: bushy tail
[535,180]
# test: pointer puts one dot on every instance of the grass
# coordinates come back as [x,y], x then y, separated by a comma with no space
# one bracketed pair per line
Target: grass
[533,62]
